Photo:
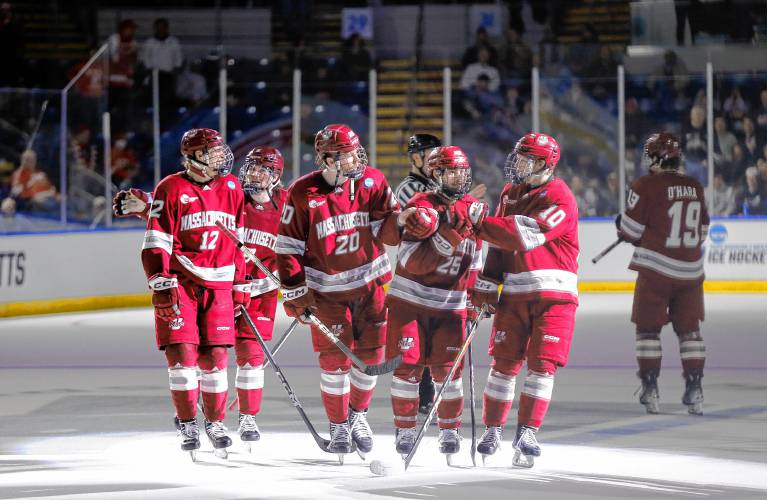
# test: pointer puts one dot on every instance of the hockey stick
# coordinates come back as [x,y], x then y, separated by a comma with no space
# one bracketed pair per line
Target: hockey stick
[607,250]
[235,400]
[321,442]
[473,416]
[448,379]
[37,125]
[385,367]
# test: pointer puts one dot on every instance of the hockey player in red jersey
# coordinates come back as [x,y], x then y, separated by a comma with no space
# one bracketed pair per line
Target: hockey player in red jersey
[260,178]
[666,219]
[331,260]
[197,280]
[534,254]
[428,297]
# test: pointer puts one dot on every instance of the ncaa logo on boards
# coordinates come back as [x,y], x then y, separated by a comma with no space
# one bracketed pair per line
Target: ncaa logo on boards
[499,337]
[717,234]
[368,182]
[405,343]
[176,324]
[230,184]
[185,198]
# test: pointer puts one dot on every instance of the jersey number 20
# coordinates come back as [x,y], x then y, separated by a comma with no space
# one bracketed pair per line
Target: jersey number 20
[689,236]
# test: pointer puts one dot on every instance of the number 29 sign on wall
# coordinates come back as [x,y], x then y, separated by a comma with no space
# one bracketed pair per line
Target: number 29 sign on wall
[358,21]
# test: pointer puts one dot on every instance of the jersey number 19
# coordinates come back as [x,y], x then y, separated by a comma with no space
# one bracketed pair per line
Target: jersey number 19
[689,236]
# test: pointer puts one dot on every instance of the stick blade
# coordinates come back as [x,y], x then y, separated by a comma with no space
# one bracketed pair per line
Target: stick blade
[385,367]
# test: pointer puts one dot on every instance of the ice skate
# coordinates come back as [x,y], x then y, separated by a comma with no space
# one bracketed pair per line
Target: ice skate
[648,392]
[693,393]
[248,430]
[190,436]
[449,443]
[216,432]
[525,447]
[404,440]
[362,435]
[489,442]
[340,440]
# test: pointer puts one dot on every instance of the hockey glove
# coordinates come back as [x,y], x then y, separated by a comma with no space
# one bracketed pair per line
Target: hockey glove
[485,291]
[618,221]
[241,295]
[132,202]
[419,222]
[165,296]
[297,300]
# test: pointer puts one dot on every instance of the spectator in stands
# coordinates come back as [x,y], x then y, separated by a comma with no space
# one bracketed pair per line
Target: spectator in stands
[482,41]
[735,107]
[322,84]
[687,9]
[479,101]
[30,187]
[754,198]
[724,140]
[672,70]
[190,86]
[603,71]
[125,166]
[297,56]
[609,198]
[355,59]
[637,123]
[695,137]
[749,141]
[761,119]
[481,67]
[85,100]
[764,153]
[584,198]
[123,56]
[723,197]
[163,52]
[734,169]
[82,150]
[11,45]
[516,57]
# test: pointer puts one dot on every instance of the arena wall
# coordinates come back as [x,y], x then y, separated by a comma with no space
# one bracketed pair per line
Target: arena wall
[102,269]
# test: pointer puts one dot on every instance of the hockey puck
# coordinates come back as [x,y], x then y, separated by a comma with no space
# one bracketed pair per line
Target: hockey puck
[380,468]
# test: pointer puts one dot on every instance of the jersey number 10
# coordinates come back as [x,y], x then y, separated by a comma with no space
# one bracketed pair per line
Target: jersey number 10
[689,237]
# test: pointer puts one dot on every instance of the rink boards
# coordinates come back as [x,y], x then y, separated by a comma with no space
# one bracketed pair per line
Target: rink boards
[59,272]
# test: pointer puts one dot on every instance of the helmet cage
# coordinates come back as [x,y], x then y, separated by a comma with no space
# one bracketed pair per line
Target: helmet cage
[453,183]
[217,161]
[256,177]
[519,167]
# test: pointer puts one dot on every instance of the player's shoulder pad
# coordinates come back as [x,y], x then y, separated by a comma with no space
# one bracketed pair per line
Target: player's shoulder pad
[170,184]
[558,192]
[372,178]
[424,199]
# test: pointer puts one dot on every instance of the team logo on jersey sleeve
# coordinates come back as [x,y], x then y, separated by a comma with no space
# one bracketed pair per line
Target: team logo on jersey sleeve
[368,182]
[185,198]
[230,184]
[499,337]
[176,323]
[405,343]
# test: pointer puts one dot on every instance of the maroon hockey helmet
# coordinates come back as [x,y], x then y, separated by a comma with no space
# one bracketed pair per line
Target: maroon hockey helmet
[261,158]
[451,170]
[340,141]
[217,155]
[520,163]
[663,149]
